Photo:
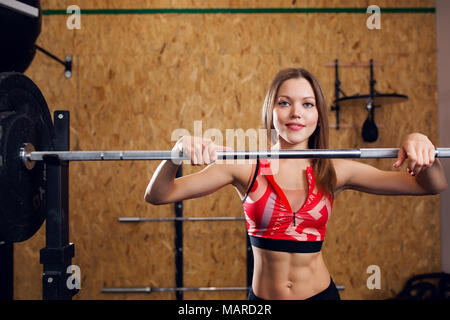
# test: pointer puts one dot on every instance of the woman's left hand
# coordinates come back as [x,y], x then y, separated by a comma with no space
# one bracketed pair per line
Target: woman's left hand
[419,151]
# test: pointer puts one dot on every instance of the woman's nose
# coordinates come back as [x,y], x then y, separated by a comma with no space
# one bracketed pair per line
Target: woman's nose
[297,109]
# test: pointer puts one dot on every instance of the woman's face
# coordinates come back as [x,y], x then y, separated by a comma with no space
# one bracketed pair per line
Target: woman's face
[295,114]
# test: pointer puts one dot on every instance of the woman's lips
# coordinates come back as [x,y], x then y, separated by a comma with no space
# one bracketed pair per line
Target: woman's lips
[295,126]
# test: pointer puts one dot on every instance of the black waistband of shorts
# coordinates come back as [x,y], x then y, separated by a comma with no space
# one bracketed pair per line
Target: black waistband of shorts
[286,245]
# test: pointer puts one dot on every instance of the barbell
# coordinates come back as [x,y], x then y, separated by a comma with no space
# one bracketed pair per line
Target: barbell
[29,156]
[26,141]
[183,289]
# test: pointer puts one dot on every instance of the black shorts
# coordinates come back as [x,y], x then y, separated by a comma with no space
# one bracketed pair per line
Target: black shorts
[330,293]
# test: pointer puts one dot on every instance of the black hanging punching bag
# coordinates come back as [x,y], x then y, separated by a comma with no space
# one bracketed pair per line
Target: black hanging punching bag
[18,33]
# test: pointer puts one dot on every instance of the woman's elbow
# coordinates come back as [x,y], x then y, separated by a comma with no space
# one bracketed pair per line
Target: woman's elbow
[439,189]
[150,198]
[443,188]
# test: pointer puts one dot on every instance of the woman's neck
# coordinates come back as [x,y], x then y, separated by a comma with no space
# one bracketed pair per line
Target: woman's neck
[293,161]
[283,145]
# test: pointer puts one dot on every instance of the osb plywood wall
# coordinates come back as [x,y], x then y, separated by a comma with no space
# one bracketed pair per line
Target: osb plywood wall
[138,77]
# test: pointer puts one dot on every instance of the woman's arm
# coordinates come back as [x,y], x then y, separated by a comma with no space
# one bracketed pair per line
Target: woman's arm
[424,174]
[164,188]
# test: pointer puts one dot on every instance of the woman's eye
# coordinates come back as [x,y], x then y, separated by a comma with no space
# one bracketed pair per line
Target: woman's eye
[283,103]
[309,105]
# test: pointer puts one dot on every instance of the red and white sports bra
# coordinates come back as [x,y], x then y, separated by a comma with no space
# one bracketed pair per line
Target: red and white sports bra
[273,225]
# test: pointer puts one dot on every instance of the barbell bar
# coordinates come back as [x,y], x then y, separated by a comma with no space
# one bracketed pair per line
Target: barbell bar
[28,155]
[169,219]
[183,289]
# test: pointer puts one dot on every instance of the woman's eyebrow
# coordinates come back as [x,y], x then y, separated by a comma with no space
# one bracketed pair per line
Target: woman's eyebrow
[285,96]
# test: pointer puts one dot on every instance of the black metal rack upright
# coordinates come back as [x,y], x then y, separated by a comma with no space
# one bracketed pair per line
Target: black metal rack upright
[179,243]
[57,256]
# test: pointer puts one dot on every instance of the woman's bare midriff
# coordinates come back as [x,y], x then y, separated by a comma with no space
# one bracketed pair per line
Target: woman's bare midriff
[283,275]
[288,276]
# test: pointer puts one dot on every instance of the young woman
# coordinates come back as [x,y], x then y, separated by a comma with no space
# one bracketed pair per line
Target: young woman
[287,209]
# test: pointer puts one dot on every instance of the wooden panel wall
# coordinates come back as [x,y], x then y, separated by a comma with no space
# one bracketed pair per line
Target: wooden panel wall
[137,78]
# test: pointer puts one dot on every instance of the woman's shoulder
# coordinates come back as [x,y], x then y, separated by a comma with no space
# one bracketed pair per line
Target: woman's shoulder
[342,164]
[343,169]
[242,171]
[237,166]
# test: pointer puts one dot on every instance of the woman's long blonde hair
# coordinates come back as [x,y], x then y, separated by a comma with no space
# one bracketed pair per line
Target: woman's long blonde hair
[323,168]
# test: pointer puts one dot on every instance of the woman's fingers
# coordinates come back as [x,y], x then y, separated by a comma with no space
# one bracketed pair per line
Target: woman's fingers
[207,151]
[426,158]
[420,159]
[190,148]
[418,165]
[432,152]
[419,151]
[400,158]
[200,151]
[412,160]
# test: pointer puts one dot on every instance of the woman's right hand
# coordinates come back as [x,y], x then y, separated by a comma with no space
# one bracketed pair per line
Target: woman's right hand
[199,150]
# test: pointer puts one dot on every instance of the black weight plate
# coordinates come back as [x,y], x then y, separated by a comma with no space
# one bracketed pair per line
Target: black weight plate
[18,34]
[24,117]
